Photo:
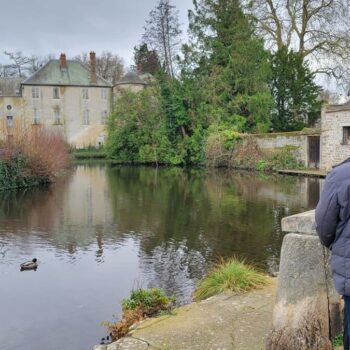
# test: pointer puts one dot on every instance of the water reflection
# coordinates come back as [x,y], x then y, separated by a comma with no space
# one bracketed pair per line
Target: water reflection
[104,230]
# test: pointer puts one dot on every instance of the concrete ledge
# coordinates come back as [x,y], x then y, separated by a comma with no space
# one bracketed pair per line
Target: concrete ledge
[303,223]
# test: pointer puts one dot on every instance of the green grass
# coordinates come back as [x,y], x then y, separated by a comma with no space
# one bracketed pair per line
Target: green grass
[338,340]
[150,301]
[89,155]
[231,275]
[90,152]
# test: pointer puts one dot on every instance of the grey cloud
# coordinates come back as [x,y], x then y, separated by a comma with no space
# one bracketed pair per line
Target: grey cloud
[72,26]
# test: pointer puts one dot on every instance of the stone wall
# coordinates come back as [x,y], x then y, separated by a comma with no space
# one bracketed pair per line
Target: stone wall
[333,151]
[273,141]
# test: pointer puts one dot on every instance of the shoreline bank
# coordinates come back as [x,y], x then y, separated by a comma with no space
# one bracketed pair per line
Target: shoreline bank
[224,321]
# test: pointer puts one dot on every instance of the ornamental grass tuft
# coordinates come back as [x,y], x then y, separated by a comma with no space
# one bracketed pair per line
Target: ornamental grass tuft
[230,275]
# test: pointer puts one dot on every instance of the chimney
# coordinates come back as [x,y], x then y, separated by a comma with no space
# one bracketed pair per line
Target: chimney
[93,76]
[63,61]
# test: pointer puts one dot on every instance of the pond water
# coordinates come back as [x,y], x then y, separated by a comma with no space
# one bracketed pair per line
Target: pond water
[105,230]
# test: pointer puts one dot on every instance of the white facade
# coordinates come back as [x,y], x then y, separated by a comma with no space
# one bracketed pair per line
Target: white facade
[335,136]
[63,95]
[78,111]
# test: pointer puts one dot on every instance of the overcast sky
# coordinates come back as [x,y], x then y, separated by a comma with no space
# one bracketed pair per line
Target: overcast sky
[44,27]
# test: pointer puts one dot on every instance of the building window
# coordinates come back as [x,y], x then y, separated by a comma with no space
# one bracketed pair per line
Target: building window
[56,115]
[9,121]
[104,115]
[104,94]
[86,117]
[35,92]
[346,135]
[36,116]
[56,92]
[85,93]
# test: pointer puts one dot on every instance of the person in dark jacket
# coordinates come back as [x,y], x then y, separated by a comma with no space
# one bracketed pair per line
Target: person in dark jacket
[333,228]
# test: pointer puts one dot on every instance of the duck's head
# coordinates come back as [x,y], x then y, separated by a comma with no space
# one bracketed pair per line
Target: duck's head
[34,260]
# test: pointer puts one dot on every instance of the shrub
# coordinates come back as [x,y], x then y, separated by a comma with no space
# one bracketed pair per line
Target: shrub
[285,158]
[247,154]
[142,303]
[15,172]
[46,150]
[220,146]
[231,275]
[150,301]
[32,158]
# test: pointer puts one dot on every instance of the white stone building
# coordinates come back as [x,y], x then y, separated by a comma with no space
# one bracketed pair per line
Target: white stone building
[320,148]
[335,136]
[63,95]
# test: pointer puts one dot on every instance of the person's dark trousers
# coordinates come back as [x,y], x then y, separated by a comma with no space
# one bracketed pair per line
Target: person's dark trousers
[346,335]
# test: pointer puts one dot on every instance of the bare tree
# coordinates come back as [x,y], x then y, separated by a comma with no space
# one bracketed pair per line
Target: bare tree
[318,29]
[108,65]
[18,64]
[22,64]
[162,33]
[6,71]
[36,62]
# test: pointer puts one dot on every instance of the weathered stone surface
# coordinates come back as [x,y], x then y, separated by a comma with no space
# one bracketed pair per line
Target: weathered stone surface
[100,347]
[303,223]
[302,314]
[224,322]
[130,344]
[333,150]
[273,141]
[302,268]
[127,343]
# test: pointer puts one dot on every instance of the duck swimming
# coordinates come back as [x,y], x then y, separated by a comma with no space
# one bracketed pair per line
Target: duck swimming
[30,265]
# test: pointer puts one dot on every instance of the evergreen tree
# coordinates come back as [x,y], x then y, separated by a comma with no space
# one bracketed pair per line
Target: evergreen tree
[294,90]
[146,61]
[137,129]
[234,63]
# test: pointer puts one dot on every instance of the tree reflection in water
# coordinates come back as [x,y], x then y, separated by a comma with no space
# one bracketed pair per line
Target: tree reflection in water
[103,230]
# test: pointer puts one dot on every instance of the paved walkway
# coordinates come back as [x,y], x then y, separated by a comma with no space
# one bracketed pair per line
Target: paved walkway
[224,322]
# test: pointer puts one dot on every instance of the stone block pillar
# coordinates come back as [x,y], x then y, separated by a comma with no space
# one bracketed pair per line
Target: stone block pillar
[308,311]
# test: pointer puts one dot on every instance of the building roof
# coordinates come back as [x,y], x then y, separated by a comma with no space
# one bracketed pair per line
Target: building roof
[131,78]
[76,74]
[338,108]
[10,86]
